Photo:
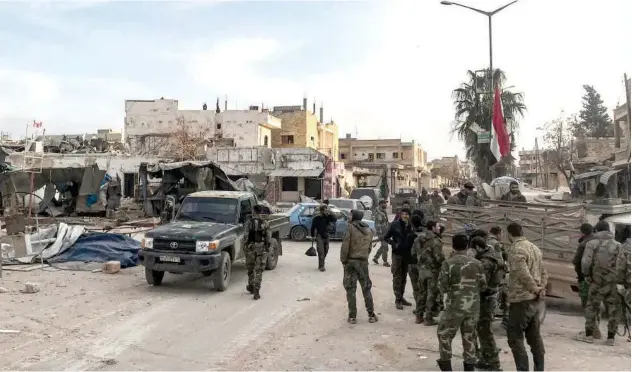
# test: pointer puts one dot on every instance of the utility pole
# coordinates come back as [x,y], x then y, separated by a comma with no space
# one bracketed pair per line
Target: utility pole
[537,162]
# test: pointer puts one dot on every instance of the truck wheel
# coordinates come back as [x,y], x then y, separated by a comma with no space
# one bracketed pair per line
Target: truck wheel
[154,277]
[222,274]
[273,255]
[298,233]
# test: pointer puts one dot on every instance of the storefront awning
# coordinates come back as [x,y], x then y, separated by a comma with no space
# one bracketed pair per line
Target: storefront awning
[606,176]
[589,175]
[312,173]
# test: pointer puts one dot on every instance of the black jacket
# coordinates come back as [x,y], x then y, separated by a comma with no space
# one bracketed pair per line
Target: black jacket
[401,238]
[577,260]
[320,224]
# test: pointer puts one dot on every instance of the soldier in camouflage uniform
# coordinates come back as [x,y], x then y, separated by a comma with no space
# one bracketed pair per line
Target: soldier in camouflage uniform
[413,269]
[429,252]
[526,289]
[256,251]
[623,270]
[494,268]
[599,268]
[494,240]
[381,226]
[461,280]
[354,255]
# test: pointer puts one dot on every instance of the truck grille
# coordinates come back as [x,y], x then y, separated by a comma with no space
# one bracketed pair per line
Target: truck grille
[182,245]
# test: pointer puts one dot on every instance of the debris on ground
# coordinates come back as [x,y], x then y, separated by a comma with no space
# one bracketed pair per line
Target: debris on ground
[303,299]
[3,290]
[9,331]
[31,288]
[112,267]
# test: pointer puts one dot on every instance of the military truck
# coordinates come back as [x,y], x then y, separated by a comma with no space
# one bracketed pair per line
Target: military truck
[403,194]
[206,235]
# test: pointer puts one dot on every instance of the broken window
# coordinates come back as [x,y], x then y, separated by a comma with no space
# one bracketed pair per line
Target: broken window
[287,139]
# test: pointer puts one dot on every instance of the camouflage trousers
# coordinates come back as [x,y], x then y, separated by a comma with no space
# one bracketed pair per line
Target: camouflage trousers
[357,271]
[322,247]
[382,251]
[413,272]
[487,351]
[598,293]
[429,288]
[256,259]
[399,269]
[449,324]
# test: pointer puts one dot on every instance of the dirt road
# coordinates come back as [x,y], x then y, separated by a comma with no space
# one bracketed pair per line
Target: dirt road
[96,321]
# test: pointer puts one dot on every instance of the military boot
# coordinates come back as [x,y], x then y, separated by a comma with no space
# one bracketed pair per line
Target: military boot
[375,261]
[429,320]
[386,264]
[372,317]
[256,294]
[351,319]
[406,303]
[249,288]
[583,337]
[419,319]
[610,340]
[445,365]
[399,305]
[468,366]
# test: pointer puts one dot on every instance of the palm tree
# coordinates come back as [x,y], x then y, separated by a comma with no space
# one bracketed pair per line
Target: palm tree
[471,106]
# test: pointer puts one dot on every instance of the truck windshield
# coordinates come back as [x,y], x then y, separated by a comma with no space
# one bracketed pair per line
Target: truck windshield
[222,210]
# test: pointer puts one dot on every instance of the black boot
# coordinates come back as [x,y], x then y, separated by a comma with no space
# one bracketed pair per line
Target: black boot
[445,365]
[406,303]
[249,288]
[256,294]
[399,305]
[468,367]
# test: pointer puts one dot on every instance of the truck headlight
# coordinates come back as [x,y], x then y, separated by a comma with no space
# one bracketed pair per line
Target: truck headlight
[206,245]
[147,243]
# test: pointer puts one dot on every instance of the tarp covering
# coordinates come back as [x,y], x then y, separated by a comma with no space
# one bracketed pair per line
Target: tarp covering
[102,247]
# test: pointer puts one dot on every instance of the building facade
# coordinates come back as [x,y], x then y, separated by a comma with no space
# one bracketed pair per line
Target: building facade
[537,172]
[403,163]
[149,122]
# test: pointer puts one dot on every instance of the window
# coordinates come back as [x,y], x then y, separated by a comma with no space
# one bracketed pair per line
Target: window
[265,140]
[395,155]
[343,156]
[245,207]
[287,139]
[289,184]
[219,126]
[371,156]
[308,211]
[380,155]
[401,156]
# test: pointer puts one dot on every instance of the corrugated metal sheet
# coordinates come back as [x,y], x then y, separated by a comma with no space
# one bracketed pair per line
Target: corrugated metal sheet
[590,174]
[297,172]
[606,176]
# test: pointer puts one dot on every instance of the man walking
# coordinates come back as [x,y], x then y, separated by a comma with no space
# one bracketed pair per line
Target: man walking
[430,256]
[381,227]
[256,251]
[354,255]
[599,268]
[396,236]
[526,288]
[494,269]
[320,232]
[461,280]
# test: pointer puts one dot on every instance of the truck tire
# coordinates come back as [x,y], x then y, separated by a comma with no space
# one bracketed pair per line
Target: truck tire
[154,277]
[273,255]
[298,233]
[222,274]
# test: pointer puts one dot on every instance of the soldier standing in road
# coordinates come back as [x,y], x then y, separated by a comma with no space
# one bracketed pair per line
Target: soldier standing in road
[599,263]
[494,268]
[461,280]
[413,269]
[494,240]
[381,227]
[354,255]
[430,257]
[526,288]
[256,251]
[623,270]
[320,232]
[396,236]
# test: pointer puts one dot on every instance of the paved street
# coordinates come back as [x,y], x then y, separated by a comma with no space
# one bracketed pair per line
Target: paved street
[85,320]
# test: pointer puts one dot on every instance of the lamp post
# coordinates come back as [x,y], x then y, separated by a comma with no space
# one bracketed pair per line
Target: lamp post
[489,18]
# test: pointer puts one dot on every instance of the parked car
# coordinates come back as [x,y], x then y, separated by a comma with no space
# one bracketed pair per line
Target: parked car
[349,204]
[301,216]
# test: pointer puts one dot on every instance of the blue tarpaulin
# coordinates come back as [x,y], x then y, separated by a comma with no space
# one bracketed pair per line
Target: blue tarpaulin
[102,247]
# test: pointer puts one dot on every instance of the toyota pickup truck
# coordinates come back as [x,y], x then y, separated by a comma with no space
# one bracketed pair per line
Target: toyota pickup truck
[206,235]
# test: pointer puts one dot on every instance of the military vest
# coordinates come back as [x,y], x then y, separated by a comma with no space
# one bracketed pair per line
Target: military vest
[257,232]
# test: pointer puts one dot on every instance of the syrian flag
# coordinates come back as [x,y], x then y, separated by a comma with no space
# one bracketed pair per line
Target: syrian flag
[499,138]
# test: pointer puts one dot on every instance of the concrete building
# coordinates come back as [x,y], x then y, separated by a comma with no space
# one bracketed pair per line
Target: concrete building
[403,163]
[149,122]
[539,173]
[285,173]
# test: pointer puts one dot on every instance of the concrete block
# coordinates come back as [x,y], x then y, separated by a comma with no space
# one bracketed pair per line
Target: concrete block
[112,267]
[31,288]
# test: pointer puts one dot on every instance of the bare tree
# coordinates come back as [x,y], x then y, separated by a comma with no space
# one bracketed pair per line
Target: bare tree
[559,144]
[187,141]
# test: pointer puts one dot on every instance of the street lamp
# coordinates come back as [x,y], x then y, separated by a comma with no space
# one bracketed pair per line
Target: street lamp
[489,18]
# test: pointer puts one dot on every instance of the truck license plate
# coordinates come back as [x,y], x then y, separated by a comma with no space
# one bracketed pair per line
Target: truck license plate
[169,259]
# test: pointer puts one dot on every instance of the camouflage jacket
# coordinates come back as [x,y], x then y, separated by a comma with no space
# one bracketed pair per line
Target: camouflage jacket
[428,250]
[497,245]
[599,261]
[527,273]
[623,264]
[429,211]
[381,222]
[493,267]
[356,243]
[461,280]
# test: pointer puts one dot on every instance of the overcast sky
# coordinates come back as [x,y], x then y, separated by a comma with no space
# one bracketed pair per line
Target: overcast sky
[383,68]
